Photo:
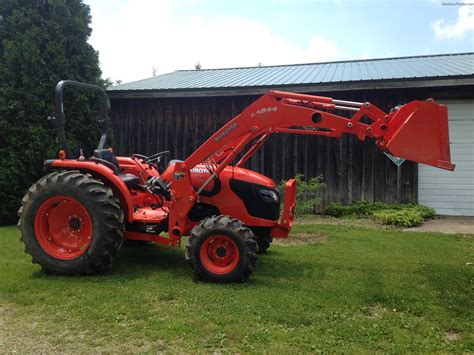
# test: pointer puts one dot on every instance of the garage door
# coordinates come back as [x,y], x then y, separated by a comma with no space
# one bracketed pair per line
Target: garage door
[452,193]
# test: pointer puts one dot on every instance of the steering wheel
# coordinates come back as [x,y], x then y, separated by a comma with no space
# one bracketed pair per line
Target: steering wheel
[154,160]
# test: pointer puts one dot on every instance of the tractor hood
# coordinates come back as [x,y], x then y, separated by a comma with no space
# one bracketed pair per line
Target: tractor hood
[200,173]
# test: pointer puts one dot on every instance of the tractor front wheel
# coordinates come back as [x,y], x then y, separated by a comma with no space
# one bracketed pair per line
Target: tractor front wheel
[71,224]
[221,249]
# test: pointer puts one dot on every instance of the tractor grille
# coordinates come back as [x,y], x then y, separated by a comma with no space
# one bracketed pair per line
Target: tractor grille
[259,200]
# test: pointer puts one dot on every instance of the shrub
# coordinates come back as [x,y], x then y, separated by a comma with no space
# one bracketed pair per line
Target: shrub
[41,42]
[307,193]
[403,218]
[425,211]
[402,215]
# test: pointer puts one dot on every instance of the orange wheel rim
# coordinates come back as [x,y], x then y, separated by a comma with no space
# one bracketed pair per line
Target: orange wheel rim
[219,254]
[63,227]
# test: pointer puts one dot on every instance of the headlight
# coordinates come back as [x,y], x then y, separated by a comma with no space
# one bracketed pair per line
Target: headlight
[269,195]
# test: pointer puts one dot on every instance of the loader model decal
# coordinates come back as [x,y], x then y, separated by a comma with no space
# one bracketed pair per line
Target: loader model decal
[264,110]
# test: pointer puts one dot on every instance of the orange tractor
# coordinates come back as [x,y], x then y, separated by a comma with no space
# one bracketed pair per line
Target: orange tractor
[74,220]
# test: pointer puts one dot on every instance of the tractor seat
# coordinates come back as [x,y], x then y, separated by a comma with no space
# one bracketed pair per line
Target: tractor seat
[129,179]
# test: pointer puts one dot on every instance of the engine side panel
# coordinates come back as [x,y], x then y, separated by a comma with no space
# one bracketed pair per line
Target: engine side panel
[242,202]
[260,201]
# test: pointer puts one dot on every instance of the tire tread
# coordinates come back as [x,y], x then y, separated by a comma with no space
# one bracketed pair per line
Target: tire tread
[108,210]
[232,225]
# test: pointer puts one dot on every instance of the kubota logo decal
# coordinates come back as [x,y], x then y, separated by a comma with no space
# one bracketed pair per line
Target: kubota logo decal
[226,131]
[199,171]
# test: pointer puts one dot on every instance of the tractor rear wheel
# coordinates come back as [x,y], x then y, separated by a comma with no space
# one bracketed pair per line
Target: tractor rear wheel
[71,224]
[263,243]
[221,249]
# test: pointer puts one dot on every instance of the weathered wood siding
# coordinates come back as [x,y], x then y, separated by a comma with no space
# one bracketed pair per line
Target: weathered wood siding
[352,170]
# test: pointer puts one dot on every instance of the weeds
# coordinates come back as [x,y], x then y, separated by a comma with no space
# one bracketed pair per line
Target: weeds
[307,193]
[401,215]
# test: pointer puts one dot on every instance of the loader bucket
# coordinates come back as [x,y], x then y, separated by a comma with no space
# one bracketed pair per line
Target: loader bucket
[418,131]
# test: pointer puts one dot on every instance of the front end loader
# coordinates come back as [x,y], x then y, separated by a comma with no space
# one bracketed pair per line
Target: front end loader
[74,220]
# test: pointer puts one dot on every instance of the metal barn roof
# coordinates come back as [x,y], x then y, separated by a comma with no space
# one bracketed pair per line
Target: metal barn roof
[323,76]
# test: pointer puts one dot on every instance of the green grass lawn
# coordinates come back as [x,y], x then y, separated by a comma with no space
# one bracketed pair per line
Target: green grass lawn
[362,289]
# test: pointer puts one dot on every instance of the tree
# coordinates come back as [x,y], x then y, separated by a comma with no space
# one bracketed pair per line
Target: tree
[41,42]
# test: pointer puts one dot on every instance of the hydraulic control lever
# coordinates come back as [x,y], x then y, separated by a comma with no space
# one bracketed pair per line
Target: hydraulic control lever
[157,186]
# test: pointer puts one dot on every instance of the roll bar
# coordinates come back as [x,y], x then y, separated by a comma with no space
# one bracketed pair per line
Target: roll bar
[59,118]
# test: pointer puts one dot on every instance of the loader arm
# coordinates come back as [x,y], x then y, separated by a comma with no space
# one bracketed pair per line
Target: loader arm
[417,131]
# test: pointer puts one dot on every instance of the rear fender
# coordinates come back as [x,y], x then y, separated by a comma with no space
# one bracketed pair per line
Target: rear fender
[104,174]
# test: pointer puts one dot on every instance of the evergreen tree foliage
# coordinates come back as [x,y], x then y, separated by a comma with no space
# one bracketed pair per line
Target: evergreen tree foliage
[41,43]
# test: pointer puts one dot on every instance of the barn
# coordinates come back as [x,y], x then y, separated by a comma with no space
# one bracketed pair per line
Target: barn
[179,110]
